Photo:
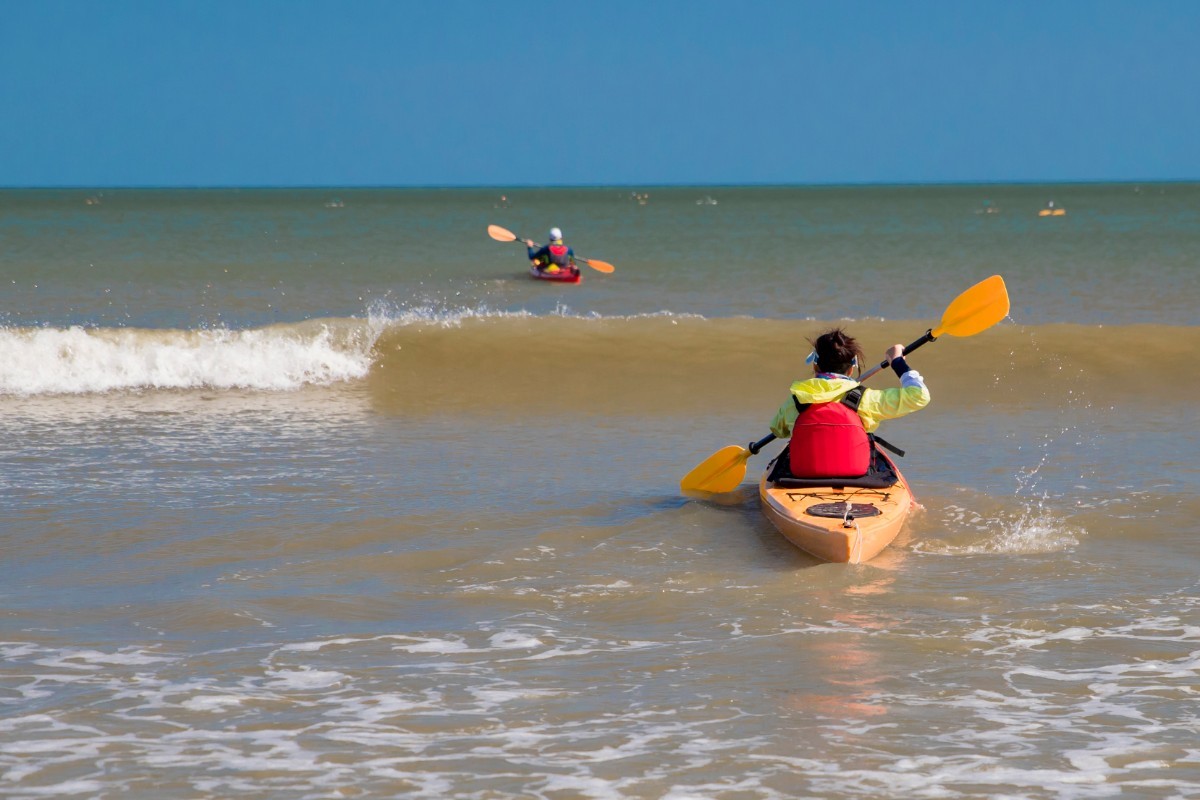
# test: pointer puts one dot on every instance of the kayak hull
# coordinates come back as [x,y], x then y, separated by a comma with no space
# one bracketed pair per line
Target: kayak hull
[837,539]
[562,276]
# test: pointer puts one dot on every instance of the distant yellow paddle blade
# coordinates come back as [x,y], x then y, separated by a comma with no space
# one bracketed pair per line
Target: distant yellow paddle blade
[599,266]
[976,309]
[720,472]
[501,234]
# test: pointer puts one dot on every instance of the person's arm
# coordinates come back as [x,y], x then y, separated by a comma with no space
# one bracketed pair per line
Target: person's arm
[785,417]
[536,255]
[912,395]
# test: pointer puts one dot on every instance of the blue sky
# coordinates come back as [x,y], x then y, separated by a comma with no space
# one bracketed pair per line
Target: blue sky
[522,92]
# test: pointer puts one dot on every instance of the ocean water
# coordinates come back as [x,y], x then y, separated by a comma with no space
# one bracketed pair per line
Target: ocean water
[316,494]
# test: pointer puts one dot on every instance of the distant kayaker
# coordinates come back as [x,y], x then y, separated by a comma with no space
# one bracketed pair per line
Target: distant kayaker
[554,256]
[828,429]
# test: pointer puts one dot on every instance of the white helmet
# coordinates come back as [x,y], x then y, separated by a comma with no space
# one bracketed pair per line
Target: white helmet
[555,234]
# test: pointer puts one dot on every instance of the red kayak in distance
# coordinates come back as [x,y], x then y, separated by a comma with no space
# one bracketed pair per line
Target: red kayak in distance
[569,275]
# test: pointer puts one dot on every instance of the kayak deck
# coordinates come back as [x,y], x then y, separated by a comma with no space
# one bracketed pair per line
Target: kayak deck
[841,539]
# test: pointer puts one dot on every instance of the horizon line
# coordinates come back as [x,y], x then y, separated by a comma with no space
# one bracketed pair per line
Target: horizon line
[494,186]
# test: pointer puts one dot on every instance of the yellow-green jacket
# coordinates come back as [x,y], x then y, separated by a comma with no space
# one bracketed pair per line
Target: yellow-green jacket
[876,406]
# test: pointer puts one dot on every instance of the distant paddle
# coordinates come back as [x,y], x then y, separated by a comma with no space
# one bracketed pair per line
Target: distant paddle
[505,235]
[973,311]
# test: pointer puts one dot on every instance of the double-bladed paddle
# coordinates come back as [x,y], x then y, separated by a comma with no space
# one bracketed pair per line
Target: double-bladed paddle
[973,311]
[505,235]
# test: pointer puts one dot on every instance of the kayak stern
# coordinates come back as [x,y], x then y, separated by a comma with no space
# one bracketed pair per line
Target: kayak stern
[838,539]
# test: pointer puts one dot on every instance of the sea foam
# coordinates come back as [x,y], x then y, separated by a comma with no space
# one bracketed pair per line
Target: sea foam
[77,360]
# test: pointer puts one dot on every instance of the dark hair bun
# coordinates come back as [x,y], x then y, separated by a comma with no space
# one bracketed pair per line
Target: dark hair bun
[836,351]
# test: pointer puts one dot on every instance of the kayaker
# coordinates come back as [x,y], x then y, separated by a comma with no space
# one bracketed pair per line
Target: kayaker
[829,435]
[554,256]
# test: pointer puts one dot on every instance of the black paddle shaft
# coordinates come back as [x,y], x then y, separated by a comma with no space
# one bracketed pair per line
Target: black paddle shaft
[928,337]
[754,447]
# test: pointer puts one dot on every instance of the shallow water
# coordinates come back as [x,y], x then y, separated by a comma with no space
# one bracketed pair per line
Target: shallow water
[326,528]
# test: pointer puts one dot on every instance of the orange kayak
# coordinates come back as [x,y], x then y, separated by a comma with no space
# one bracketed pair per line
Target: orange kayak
[842,524]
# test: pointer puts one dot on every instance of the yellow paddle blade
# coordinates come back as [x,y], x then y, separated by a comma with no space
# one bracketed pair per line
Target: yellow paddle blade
[599,266]
[501,234]
[720,472]
[976,309]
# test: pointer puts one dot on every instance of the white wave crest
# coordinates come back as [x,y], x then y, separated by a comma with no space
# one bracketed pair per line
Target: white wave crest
[77,360]
[448,316]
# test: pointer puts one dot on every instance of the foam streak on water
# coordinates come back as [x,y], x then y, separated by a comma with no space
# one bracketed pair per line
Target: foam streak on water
[500,712]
